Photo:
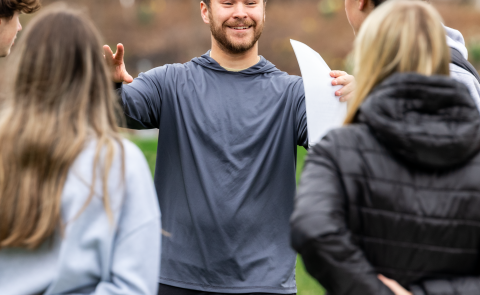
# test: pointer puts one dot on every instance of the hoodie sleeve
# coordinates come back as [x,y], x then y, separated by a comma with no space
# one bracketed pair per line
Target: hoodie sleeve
[319,231]
[141,100]
[300,114]
[459,286]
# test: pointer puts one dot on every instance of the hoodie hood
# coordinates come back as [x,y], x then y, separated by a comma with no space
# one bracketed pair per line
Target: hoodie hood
[430,122]
[262,67]
[455,40]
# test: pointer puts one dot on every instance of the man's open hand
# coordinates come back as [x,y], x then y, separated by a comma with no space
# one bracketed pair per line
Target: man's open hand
[348,82]
[116,64]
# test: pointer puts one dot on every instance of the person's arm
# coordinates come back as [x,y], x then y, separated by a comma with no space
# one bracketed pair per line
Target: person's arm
[135,266]
[319,231]
[141,100]
[300,115]
[136,262]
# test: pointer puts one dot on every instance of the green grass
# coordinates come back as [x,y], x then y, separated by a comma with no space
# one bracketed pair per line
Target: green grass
[306,284]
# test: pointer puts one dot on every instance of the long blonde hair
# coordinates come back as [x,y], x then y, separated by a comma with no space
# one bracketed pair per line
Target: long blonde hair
[399,36]
[62,98]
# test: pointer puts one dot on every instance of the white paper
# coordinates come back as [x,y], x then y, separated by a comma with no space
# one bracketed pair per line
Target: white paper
[324,110]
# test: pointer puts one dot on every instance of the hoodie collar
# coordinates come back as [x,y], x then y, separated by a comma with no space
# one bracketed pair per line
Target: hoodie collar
[262,67]
[430,122]
[455,40]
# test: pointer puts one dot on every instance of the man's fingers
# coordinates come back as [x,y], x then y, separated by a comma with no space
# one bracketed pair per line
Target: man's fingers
[335,74]
[346,97]
[343,80]
[120,52]
[349,88]
[127,78]
[108,53]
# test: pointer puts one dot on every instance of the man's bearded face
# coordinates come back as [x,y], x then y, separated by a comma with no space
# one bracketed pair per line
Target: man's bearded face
[237,34]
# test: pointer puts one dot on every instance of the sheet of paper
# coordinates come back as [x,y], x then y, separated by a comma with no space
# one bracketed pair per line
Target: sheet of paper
[324,110]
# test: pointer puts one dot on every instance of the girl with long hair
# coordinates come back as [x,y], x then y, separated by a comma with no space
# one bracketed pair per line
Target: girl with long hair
[389,203]
[78,209]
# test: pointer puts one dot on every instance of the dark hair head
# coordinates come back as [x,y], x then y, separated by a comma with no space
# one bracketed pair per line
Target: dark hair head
[8,7]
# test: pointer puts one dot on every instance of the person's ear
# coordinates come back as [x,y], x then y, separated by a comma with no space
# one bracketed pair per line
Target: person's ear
[204,11]
[362,4]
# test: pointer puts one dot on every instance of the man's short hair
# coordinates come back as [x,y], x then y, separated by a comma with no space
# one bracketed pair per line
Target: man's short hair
[8,7]
[208,2]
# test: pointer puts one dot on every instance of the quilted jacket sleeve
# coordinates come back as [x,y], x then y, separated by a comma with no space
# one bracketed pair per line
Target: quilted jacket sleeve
[319,230]
[459,286]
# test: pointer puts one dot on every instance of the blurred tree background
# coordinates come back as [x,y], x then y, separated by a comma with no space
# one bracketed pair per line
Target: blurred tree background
[156,32]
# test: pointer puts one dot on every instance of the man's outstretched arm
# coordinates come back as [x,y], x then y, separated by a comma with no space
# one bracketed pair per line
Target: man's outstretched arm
[140,100]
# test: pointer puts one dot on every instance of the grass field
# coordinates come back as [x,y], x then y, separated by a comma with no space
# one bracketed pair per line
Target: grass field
[306,285]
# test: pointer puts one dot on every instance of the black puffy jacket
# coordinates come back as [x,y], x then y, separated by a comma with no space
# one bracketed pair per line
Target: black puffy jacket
[397,193]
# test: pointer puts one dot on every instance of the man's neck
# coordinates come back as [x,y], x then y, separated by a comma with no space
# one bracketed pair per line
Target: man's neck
[238,61]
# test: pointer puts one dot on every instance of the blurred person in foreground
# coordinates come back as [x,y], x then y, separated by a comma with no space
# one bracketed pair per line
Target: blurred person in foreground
[78,209]
[10,23]
[460,69]
[390,202]
[229,125]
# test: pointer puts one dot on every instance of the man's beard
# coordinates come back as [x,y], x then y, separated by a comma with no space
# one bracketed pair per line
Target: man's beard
[220,35]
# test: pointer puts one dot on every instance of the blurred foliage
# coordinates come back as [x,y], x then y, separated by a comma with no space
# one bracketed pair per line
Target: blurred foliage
[474,53]
[330,7]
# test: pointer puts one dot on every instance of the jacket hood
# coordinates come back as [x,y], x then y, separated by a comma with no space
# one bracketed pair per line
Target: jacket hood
[430,122]
[455,40]
[263,66]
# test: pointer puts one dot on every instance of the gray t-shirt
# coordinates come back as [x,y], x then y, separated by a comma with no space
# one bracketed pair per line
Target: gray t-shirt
[225,171]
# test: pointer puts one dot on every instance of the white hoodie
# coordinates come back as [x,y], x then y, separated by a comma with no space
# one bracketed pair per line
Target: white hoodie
[455,40]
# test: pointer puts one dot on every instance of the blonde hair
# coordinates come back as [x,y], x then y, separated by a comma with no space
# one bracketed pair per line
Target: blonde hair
[399,36]
[62,98]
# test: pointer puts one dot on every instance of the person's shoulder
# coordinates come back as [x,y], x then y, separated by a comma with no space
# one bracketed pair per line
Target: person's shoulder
[281,75]
[292,83]
[462,75]
[164,69]
[465,77]
[350,137]
[133,156]
[458,71]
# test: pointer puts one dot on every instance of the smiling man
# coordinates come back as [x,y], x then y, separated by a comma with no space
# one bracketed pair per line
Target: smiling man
[229,125]
[10,23]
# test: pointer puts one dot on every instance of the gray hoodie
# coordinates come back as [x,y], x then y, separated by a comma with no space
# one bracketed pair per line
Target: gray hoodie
[225,172]
[455,40]
[95,256]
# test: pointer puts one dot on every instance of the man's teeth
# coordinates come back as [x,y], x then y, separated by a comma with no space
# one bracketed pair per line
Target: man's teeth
[240,28]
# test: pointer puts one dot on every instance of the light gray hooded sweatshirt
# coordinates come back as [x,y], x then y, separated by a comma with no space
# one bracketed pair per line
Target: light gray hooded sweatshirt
[95,256]
[455,40]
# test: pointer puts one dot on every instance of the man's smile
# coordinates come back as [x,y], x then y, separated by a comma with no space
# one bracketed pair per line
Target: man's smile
[240,28]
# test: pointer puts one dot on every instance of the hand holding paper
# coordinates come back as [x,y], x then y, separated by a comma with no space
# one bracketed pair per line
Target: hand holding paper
[324,110]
